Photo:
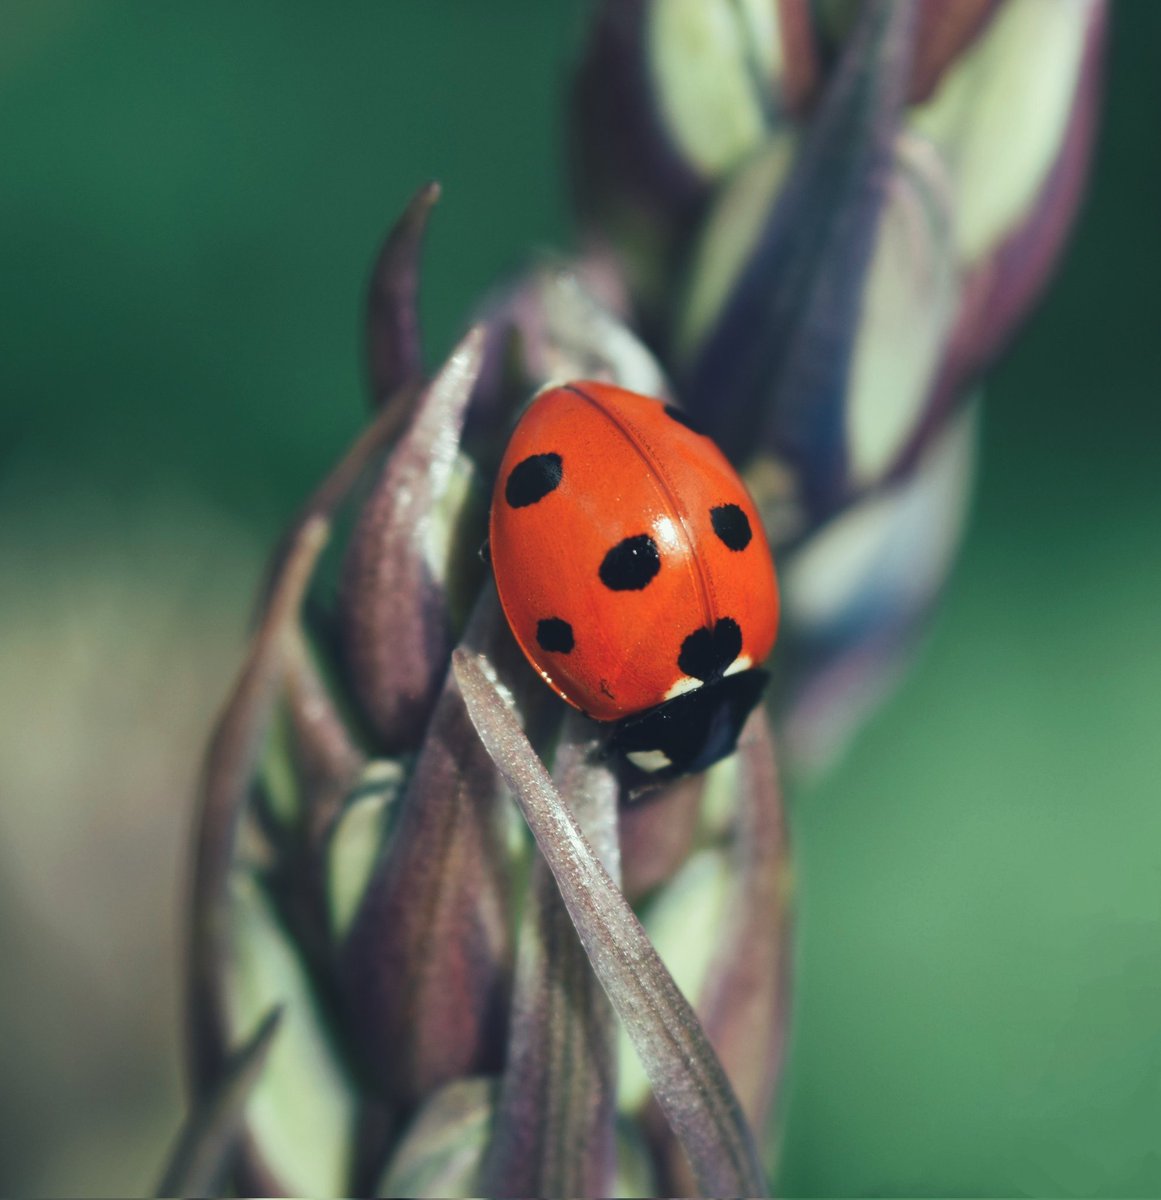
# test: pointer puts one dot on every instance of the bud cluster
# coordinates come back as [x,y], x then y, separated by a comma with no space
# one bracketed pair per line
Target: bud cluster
[830,218]
[433,951]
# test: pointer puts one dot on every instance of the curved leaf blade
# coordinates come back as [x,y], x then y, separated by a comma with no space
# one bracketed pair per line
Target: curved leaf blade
[201,1157]
[687,1077]
[554,1132]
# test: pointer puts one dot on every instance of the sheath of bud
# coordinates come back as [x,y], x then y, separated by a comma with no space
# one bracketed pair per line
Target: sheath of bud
[945,28]
[682,921]
[397,628]
[1001,115]
[565,332]
[301,1113]
[908,305]
[858,591]
[772,365]
[394,351]
[441,1151]
[427,960]
[358,840]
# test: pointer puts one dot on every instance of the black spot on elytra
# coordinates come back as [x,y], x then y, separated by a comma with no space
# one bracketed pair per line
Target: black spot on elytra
[555,635]
[706,653]
[631,564]
[682,418]
[731,525]
[532,479]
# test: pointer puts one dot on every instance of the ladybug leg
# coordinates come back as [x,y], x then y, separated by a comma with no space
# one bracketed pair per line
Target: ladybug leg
[485,552]
[606,748]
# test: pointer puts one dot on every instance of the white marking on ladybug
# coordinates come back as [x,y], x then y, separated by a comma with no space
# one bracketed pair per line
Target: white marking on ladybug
[649,760]
[685,684]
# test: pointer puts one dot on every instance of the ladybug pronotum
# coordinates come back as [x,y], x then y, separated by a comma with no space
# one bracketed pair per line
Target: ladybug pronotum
[632,567]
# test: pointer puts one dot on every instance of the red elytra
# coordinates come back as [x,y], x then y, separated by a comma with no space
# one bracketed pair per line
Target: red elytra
[631,562]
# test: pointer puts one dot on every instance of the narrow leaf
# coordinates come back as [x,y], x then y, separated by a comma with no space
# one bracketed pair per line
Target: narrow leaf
[554,1132]
[687,1078]
[200,1159]
[326,758]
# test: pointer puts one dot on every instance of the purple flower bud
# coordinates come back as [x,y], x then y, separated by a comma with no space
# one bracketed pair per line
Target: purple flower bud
[671,95]
[395,609]
[426,965]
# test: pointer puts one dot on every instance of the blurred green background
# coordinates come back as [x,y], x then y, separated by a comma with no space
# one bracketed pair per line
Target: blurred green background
[189,202]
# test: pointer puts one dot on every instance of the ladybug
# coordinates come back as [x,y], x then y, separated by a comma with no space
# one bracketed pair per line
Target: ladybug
[632,568]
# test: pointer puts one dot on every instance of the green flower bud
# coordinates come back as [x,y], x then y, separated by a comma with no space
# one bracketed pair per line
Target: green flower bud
[729,238]
[1011,231]
[1001,116]
[301,1115]
[857,593]
[358,840]
[682,922]
[719,74]
[670,97]
[904,316]
[441,1152]
[909,301]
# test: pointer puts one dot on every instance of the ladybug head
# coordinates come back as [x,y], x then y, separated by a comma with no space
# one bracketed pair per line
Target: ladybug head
[692,731]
